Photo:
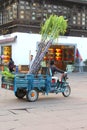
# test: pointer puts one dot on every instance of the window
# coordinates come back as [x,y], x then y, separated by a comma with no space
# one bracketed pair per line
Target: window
[10,13]
[14,6]
[54,6]
[21,6]
[27,14]
[0,18]
[22,9]
[33,17]
[22,14]
[22,2]
[5,17]
[83,19]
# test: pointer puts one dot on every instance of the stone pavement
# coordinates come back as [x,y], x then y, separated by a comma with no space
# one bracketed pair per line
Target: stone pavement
[53,112]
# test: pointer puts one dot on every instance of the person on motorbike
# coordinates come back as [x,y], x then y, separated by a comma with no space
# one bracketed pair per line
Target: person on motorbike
[54,68]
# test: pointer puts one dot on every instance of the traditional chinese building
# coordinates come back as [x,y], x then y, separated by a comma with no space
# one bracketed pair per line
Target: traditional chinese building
[27,15]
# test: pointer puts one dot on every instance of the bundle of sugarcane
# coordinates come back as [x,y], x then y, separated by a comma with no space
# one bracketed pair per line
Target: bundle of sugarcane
[36,64]
[40,49]
[50,30]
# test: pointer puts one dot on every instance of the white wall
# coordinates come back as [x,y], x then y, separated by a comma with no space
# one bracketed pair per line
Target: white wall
[24,44]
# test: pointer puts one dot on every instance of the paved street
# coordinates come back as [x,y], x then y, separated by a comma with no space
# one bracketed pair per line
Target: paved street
[53,112]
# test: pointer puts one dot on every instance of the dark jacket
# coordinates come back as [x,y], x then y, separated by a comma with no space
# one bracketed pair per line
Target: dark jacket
[11,65]
[55,69]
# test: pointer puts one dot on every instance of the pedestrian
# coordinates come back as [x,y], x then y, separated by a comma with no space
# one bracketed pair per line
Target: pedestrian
[81,66]
[11,65]
[31,61]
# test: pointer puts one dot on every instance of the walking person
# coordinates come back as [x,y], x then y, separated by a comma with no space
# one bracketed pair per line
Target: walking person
[81,66]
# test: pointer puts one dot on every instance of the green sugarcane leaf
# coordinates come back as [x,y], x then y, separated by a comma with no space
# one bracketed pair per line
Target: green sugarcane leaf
[53,27]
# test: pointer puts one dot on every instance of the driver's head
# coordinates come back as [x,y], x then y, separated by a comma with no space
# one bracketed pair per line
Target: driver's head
[52,62]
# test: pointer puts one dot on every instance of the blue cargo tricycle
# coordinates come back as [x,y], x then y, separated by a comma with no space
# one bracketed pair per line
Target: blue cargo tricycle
[31,85]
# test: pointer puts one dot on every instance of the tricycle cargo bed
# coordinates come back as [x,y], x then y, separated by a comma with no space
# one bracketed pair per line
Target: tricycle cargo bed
[8,83]
[27,81]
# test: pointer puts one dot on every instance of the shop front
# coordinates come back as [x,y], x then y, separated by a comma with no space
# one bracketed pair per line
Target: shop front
[6,53]
[5,50]
[63,55]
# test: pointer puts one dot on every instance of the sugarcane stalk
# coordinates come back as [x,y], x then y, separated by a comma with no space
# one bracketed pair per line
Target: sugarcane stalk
[40,47]
[37,63]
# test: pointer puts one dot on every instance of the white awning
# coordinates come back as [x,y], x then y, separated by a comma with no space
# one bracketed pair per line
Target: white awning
[7,40]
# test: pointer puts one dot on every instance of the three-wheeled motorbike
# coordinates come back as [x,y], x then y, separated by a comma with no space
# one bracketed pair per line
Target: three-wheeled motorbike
[30,85]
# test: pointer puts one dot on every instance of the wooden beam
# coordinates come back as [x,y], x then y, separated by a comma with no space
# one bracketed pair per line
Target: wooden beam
[77,1]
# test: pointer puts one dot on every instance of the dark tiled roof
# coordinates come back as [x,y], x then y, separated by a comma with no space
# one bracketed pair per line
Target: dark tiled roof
[77,1]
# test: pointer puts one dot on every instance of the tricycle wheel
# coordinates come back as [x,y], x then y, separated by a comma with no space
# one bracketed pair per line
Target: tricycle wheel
[67,91]
[20,93]
[32,95]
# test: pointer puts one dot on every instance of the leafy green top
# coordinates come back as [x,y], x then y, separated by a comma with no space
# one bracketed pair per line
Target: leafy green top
[53,27]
